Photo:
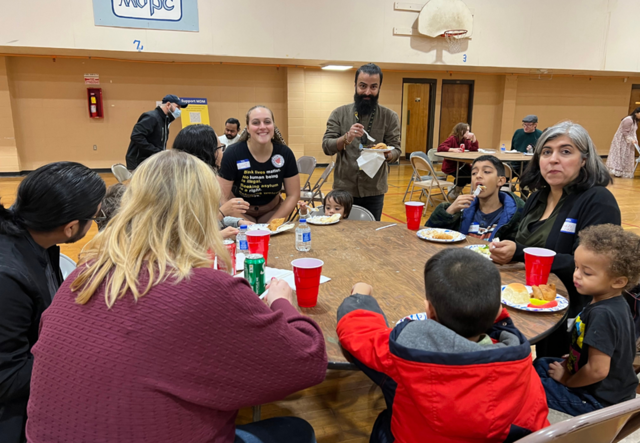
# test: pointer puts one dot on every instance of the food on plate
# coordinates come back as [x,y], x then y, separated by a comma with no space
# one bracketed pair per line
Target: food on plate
[516,293]
[544,292]
[379,146]
[275,224]
[436,235]
[537,302]
[325,219]
[546,305]
[484,250]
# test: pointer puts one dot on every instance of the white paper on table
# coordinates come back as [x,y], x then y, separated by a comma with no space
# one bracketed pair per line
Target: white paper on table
[370,162]
[487,151]
[282,274]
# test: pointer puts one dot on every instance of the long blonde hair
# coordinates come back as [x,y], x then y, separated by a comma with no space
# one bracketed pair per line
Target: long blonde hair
[167,224]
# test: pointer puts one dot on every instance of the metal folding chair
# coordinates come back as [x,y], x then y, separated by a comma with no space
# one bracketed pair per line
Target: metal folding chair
[420,164]
[306,165]
[121,172]
[360,213]
[315,194]
[414,178]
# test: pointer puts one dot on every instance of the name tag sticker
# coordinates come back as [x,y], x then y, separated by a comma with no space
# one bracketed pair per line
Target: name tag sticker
[569,226]
[474,228]
[243,164]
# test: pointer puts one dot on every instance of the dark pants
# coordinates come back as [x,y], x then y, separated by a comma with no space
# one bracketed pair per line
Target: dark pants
[572,401]
[276,430]
[374,204]
[464,176]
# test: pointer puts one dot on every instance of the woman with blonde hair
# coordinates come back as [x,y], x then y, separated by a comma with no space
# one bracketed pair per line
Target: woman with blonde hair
[258,166]
[146,342]
[460,137]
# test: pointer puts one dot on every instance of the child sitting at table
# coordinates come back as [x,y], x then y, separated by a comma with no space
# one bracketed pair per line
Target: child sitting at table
[335,202]
[464,374]
[598,371]
[493,214]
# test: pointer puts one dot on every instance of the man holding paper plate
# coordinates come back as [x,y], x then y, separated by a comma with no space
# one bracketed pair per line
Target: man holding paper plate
[352,131]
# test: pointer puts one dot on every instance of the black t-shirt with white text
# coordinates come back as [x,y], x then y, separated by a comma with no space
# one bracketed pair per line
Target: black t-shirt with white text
[607,326]
[257,183]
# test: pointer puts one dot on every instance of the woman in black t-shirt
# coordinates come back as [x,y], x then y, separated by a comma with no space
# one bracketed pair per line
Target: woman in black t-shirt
[257,167]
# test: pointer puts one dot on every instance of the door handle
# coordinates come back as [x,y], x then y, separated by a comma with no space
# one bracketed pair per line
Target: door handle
[408,117]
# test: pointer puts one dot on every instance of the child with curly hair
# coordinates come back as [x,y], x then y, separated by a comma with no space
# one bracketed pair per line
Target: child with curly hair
[598,371]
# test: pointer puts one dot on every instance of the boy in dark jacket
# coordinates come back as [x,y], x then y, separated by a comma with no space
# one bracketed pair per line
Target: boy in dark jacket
[464,374]
[493,214]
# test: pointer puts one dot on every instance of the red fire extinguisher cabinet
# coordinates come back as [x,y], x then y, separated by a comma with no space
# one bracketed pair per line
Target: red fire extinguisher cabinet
[94,99]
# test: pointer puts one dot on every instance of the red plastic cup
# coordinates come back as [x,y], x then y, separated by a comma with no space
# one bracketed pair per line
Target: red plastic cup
[306,274]
[414,214]
[537,263]
[259,243]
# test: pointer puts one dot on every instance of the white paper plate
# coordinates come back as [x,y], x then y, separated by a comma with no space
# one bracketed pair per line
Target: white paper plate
[481,249]
[316,220]
[389,149]
[563,303]
[425,233]
[265,227]
[511,152]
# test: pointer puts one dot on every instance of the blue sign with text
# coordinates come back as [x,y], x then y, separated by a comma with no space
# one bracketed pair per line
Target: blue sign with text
[177,15]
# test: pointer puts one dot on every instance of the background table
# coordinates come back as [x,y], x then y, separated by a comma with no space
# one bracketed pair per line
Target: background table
[391,260]
[469,157]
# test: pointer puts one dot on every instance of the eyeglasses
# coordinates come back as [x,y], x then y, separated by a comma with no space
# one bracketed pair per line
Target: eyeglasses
[99,219]
[529,125]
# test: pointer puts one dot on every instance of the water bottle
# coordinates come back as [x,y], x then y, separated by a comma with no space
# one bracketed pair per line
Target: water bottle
[241,240]
[503,148]
[303,236]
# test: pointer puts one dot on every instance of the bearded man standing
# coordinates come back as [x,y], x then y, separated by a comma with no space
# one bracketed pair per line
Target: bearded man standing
[345,136]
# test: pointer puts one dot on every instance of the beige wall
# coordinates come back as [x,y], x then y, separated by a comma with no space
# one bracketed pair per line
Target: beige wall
[44,117]
[50,103]
[568,34]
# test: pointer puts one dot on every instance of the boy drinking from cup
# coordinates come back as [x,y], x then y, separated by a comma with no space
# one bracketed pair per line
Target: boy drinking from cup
[463,374]
[487,214]
[598,371]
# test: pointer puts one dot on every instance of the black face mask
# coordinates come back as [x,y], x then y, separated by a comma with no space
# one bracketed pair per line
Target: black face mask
[364,107]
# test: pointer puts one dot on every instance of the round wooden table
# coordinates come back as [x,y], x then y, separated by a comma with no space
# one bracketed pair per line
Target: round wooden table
[469,157]
[392,261]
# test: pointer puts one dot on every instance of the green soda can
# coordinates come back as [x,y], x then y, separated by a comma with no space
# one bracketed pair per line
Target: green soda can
[254,272]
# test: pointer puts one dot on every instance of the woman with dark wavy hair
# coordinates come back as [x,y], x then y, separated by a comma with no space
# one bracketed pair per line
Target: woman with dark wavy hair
[570,182]
[622,153]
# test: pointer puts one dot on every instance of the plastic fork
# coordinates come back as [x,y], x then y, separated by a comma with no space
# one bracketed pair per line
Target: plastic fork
[371,139]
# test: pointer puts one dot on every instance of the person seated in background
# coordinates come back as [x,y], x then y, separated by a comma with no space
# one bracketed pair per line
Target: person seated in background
[525,139]
[570,183]
[258,167]
[231,133]
[335,202]
[202,142]
[147,333]
[55,204]
[110,204]
[492,214]
[598,371]
[461,135]
[464,374]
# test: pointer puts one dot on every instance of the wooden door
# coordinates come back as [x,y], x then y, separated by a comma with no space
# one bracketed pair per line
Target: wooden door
[418,98]
[455,107]
[634,102]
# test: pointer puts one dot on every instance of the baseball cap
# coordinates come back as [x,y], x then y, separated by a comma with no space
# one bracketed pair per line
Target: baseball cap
[528,119]
[174,99]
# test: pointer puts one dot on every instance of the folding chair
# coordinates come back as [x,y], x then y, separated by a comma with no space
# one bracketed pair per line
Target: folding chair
[423,178]
[637,159]
[360,213]
[306,165]
[419,164]
[121,172]
[315,194]
[508,173]
[611,424]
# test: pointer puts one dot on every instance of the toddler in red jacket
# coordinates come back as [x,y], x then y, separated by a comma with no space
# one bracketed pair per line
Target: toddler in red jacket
[463,374]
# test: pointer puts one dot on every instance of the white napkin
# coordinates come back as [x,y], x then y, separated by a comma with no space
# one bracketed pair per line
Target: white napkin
[281,274]
[487,151]
[370,162]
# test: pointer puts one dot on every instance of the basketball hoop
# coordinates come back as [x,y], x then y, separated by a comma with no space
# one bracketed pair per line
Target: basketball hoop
[453,39]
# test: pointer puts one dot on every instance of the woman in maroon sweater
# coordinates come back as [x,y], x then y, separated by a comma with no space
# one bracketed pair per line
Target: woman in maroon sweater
[460,135]
[144,342]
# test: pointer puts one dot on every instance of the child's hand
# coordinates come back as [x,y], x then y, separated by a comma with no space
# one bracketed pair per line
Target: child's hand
[557,371]
[362,288]
[460,203]
[229,232]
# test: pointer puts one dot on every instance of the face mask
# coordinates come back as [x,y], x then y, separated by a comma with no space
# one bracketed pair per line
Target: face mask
[176,113]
